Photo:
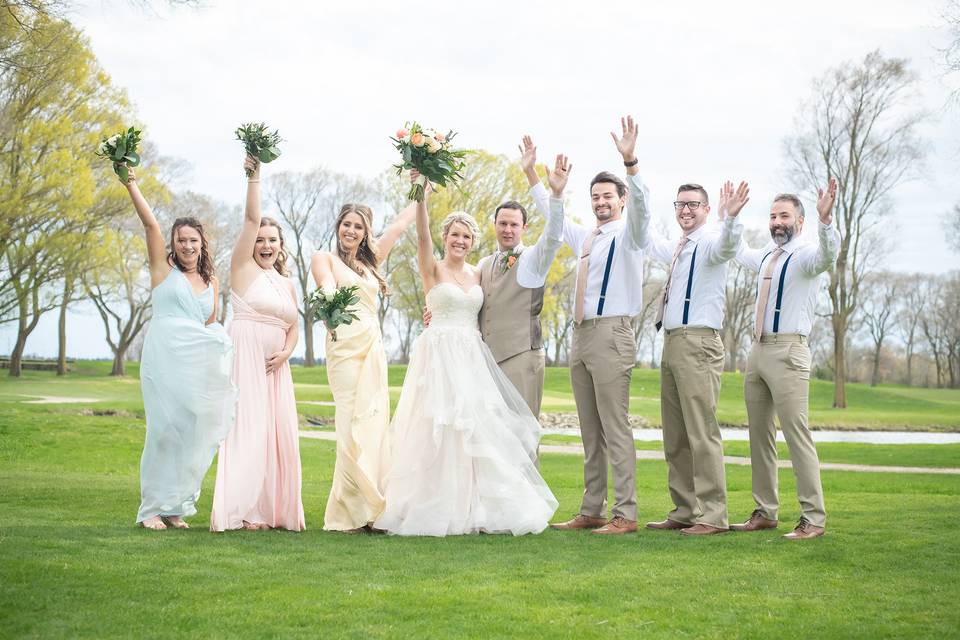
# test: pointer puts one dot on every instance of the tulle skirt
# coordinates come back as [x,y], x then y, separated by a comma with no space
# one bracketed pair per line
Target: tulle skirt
[464,445]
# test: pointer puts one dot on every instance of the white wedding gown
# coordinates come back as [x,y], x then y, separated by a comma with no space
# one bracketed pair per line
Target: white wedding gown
[464,440]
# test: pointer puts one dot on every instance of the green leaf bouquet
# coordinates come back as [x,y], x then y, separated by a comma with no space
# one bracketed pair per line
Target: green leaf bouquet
[121,149]
[259,142]
[334,308]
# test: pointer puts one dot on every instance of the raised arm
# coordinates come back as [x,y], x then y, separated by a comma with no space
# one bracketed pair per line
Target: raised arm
[638,208]
[425,258]
[246,241]
[395,229]
[156,247]
[534,263]
[828,247]
[727,244]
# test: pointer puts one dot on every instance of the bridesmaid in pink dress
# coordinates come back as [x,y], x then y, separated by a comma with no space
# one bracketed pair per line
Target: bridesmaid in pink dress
[258,469]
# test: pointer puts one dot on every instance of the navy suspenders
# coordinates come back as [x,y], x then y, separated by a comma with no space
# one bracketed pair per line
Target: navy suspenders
[686,299]
[776,311]
[783,275]
[606,277]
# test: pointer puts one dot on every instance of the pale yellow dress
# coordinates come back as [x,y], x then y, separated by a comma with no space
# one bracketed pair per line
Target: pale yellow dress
[357,373]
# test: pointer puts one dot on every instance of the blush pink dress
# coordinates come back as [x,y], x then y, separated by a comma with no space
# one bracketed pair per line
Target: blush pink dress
[258,469]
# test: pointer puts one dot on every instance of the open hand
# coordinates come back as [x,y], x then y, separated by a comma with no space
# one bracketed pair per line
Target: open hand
[731,202]
[826,200]
[427,316]
[528,154]
[627,143]
[557,178]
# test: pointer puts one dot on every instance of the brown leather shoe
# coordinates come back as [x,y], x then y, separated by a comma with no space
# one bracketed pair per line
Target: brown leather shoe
[756,523]
[702,529]
[617,525]
[668,524]
[804,531]
[580,521]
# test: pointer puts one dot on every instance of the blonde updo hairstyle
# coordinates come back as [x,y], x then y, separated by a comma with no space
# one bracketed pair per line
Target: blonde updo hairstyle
[368,257]
[466,220]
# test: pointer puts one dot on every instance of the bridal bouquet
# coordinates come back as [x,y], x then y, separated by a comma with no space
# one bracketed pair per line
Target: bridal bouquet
[121,149]
[333,309]
[259,143]
[429,152]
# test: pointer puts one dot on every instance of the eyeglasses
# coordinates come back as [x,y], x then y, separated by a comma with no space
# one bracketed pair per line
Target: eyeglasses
[693,205]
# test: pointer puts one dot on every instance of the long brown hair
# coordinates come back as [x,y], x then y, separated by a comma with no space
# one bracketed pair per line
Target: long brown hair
[367,254]
[204,263]
[281,263]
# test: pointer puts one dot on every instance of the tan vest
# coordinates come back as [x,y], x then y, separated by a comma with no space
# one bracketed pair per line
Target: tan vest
[510,316]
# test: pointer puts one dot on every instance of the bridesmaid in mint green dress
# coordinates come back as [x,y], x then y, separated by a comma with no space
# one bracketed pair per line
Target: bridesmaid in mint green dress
[185,371]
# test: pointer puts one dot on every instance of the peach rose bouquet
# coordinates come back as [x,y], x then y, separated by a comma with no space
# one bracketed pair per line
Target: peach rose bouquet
[429,152]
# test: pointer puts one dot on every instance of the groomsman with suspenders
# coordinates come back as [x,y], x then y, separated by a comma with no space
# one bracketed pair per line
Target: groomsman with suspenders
[691,316]
[608,294]
[778,368]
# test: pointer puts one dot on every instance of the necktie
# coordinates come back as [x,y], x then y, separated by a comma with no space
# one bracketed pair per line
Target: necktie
[666,288]
[495,267]
[765,293]
[582,276]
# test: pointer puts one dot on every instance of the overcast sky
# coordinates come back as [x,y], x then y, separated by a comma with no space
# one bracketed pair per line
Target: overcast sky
[715,88]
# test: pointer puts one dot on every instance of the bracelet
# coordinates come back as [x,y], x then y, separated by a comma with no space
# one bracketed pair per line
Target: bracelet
[250,181]
[632,163]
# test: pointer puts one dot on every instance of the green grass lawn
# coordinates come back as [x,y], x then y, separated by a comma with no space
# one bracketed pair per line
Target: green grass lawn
[890,407]
[73,565]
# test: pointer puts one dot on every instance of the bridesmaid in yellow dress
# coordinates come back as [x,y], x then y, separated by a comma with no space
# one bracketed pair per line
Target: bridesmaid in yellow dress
[357,369]
[258,468]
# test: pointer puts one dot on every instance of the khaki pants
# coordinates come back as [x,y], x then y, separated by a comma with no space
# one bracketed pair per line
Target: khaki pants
[601,364]
[689,388]
[777,382]
[525,371]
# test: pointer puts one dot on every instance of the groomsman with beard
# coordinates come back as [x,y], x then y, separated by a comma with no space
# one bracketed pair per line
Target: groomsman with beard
[691,316]
[608,295]
[777,379]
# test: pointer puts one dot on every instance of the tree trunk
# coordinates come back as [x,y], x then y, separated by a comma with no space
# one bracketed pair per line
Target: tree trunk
[308,357]
[840,366]
[62,328]
[118,368]
[875,376]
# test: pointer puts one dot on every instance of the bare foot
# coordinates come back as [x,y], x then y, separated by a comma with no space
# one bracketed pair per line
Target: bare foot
[155,523]
[176,522]
[252,526]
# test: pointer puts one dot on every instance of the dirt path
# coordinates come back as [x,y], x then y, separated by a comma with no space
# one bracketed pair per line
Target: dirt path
[658,455]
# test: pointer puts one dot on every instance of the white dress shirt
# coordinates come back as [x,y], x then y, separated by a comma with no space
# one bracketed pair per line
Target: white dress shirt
[715,247]
[533,265]
[807,261]
[624,295]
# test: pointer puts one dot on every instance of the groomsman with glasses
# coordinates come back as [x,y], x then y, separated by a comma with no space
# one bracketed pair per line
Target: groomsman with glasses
[691,316]
[778,368]
[608,295]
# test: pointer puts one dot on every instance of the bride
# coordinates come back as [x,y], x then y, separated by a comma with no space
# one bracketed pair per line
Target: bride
[464,440]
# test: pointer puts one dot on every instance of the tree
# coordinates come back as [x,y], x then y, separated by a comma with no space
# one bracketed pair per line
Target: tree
[859,127]
[878,309]
[951,229]
[739,315]
[910,309]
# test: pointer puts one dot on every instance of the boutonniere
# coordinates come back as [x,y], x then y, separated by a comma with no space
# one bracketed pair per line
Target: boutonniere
[508,259]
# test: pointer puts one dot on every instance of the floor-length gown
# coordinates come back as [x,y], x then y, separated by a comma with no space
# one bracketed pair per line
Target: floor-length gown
[188,397]
[464,440]
[357,374]
[258,467]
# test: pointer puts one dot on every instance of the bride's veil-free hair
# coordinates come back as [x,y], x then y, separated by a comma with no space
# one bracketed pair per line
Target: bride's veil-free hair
[367,254]
[463,218]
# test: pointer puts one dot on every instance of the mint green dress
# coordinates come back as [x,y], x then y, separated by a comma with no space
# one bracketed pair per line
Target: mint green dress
[188,396]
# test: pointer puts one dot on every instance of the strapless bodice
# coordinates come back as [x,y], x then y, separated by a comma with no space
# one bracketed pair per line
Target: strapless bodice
[451,306]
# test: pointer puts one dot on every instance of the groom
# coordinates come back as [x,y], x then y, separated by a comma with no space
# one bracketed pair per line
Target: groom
[513,278]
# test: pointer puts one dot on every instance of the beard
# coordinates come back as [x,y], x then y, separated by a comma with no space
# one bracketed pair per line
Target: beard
[782,234]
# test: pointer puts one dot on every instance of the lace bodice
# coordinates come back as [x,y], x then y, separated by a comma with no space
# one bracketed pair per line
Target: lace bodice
[451,306]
